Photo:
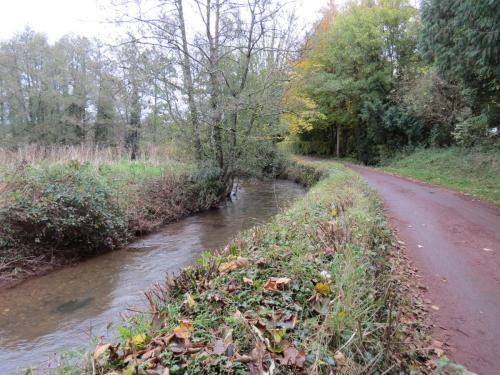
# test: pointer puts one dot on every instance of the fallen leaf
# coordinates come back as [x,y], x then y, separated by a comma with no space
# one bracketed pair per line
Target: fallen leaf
[323,288]
[184,329]
[292,357]
[407,321]
[434,307]
[487,249]
[277,334]
[340,359]
[219,347]
[276,283]
[139,339]
[232,285]
[189,302]
[100,350]
[420,246]
[166,371]
[437,347]
[288,323]
[227,267]
[247,281]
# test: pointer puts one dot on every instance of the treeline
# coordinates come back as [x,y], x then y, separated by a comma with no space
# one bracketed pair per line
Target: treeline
[382,76]
[211,85]
[71,92]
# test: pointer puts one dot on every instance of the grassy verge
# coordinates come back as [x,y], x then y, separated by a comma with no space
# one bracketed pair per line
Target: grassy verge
[55,212]
[313,291]
[470,171]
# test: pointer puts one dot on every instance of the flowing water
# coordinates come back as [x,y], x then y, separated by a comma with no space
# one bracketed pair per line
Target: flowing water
[60,311]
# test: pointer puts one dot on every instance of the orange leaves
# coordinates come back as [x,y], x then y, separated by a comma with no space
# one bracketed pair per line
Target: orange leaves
[184,329]
[276,283]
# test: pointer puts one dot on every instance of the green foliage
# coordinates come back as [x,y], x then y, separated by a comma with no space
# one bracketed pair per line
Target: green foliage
[355,63]
[365,72]
[437,104]
[462,39]
[471,131]
[386,129]
[227,308]
[69,210]
[63,207]
[299,146]
[474,171]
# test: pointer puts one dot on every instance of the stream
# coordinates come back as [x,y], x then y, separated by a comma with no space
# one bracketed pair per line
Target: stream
[61,311]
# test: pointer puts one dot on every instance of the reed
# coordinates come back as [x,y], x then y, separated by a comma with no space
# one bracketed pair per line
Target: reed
[33,154]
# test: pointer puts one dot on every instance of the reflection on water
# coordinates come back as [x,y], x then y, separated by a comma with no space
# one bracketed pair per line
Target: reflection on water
[60,311]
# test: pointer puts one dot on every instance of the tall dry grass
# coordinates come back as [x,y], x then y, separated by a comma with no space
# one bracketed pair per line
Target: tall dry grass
[35,154]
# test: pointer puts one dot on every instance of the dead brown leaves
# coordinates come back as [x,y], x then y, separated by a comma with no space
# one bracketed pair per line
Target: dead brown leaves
[276,283]
[233,265]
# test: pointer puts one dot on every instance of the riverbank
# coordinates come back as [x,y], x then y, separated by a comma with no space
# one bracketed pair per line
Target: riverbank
[58,208]
[57,213]
[472,171]
[319,289]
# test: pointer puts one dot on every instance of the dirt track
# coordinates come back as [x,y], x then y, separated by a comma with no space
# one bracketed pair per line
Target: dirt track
[455,243]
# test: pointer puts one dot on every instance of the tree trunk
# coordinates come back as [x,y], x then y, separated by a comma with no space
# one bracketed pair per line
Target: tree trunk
[338,141]
[188,83]
[135,123]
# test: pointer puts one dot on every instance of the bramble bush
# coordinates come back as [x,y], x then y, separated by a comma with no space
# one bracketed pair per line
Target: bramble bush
[63,207]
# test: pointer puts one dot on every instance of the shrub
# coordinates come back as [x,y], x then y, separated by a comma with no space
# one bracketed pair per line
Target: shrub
[172,197]
[62,207]
[472,131]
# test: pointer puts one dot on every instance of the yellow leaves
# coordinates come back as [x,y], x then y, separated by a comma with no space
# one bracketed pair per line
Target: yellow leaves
[138,340]
[305,66]
[184,329]
[227,267]
[301,112]
[322,288]
[334,212]
[277,335]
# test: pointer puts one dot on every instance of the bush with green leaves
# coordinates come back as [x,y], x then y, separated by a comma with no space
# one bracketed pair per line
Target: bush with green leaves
[471,131]
[63,207]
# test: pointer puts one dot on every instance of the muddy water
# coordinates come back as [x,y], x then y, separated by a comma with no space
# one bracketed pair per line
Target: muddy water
[60,311]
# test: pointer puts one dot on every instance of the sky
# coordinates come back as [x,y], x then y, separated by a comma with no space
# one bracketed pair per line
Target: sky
[56,18]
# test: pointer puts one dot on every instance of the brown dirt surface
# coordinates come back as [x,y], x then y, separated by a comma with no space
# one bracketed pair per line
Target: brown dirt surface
[454,241]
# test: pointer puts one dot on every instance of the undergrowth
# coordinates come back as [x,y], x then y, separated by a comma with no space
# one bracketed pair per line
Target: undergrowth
[310,292]
[474,171]
[51,213]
